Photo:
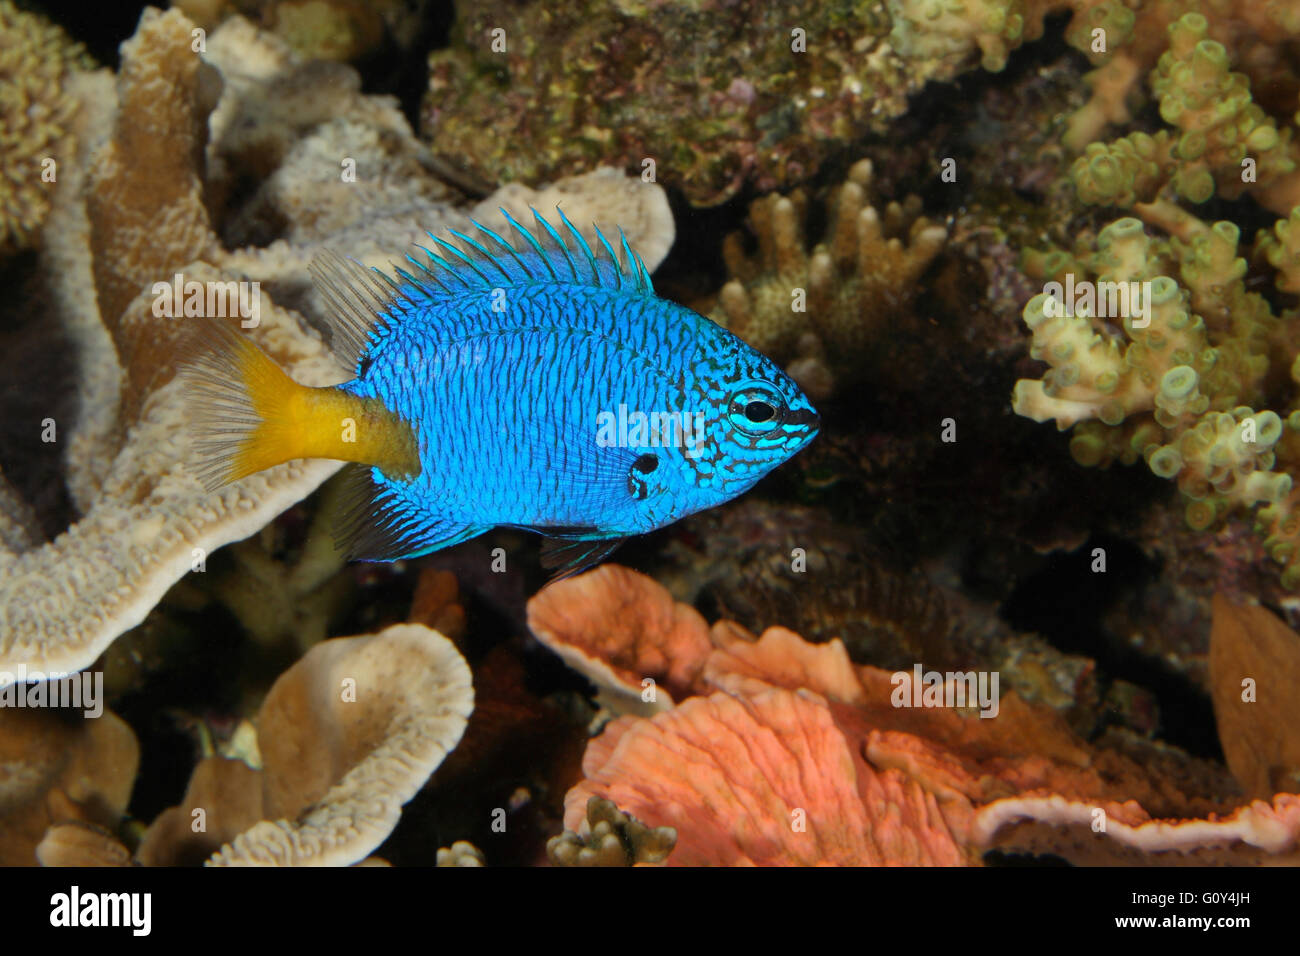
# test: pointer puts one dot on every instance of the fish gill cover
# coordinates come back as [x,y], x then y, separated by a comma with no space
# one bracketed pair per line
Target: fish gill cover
[295,283]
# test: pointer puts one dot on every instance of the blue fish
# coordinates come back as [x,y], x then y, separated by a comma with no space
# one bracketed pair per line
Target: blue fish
[540,384]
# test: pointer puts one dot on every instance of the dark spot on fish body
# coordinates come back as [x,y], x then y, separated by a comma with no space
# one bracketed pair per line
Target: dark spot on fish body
[636,483]
[646,463]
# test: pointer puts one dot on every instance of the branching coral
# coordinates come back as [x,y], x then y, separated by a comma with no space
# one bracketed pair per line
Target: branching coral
[36,111]
[951,30]
[828,310]
[1281,248]
[1225,143]
[1122,38]
[610,837]
[1185,386]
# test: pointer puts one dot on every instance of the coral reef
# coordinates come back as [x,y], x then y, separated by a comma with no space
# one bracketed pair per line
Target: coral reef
[36,115]
[1123,40]
[758,94]
[319,29]
[345,737]
[750,695]
[59,770]
[724,766]
[1225,144]
[610,837]
[145,522]
[1254,663]
[398,702]
[1186,385]
[827,312]
[460,853]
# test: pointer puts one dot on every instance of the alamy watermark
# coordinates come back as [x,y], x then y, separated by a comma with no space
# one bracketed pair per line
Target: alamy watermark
[218,300]
[635,429]
[82,691]
[919,688]
[1105,300]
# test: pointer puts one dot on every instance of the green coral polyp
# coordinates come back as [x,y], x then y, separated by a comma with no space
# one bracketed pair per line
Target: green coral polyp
[1166,462]
[1178,382]
[1218,125]
[1268,428]
[1187,396]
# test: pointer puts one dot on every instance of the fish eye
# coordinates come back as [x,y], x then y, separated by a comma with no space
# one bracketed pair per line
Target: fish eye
[755,409]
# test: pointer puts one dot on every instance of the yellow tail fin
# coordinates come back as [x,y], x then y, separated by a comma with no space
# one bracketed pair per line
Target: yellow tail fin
[248,415]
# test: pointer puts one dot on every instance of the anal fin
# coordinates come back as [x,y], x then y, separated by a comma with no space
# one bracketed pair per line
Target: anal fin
[378,524]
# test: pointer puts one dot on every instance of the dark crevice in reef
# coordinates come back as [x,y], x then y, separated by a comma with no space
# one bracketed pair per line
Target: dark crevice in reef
[37,397]
[1064,602]
[406,74]
[100,24]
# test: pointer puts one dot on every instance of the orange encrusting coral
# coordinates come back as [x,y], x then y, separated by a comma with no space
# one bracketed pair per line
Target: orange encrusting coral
[786,753]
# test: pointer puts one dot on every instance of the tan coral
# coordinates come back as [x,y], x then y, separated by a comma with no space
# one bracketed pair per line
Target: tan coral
[349,734]
[1282,250]
[92,440]
[81,844]
[36,116]
[145,197]
[1221,142]
[222,800]
[950,31]
[60,770]
[1221,127]
[62,603]
[610,837]
[19,526]
[1254,667]
[1184,386]
[328,29]
[857,280]
[460,853]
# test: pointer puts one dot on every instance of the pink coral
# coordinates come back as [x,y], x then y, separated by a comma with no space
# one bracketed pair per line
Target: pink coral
[783,752]
[762,780]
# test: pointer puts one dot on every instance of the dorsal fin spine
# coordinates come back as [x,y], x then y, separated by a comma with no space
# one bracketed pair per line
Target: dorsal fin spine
[460,254]
[555,237]
[483,252]
[446,266]
[630,257]
[582,244]
[532,241]
[364,299]
[507,247]
[613,258]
